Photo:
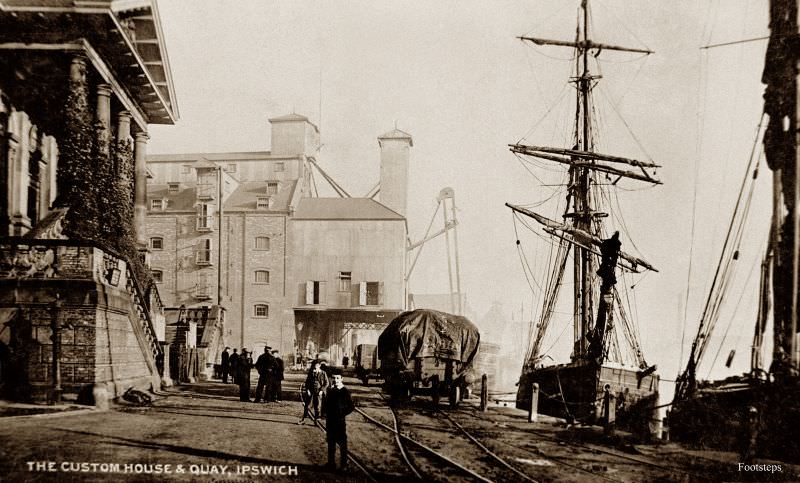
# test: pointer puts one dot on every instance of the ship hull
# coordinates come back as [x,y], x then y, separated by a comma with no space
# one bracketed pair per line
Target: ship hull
[575,391]
[749,417]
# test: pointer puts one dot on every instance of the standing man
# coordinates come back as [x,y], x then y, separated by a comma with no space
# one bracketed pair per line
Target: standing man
[339,405]
[234,366]
[243,375]
[226,366]
[277,376]
[264,366]
[315,385]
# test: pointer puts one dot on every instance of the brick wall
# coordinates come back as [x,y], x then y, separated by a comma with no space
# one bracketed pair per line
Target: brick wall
[100,343]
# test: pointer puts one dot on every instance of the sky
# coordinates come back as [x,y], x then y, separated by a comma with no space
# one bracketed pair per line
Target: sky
[454,76]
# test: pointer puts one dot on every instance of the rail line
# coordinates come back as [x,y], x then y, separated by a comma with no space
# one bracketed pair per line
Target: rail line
[423,446]
[593,448]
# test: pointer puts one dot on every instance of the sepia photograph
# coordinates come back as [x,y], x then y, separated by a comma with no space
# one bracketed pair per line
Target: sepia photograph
[380,241]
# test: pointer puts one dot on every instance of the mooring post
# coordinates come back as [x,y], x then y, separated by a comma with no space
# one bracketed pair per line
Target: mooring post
[484,392]
[533,412]
[609,411]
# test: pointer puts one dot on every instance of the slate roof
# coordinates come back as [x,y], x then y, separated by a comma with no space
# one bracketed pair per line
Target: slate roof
[343,209]
[245,198]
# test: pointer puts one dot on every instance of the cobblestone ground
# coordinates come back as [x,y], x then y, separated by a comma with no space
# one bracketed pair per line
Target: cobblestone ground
[198,429]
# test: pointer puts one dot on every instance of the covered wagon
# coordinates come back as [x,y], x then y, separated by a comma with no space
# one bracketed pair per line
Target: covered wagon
[430,353]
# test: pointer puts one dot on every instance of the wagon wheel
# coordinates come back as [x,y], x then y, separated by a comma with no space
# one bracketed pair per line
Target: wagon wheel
[435,395]
[455,396]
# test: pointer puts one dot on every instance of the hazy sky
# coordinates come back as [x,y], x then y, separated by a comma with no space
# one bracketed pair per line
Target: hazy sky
[452,74]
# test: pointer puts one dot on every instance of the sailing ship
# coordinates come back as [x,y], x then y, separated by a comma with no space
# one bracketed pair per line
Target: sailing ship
[597,370]
[754,413]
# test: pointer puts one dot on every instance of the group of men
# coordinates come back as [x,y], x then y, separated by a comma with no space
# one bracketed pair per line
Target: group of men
[270,373]
[323,390]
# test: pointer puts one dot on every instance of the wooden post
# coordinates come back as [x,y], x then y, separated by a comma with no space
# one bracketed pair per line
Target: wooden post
[533,412]
[484,392]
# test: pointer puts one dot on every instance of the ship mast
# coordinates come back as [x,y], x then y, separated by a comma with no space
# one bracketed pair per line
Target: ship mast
[781,141]
[583,163]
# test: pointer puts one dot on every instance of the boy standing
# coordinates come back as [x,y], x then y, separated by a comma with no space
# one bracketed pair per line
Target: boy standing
[339,405]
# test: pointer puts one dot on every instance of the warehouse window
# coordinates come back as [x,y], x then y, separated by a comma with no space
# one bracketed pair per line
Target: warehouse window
[174,187]
[157,204]
[261,310]
[345,279]
[262,243]
[158,276]
[157,243]
[315,292]
[370,293]
[280,167]
[262,276]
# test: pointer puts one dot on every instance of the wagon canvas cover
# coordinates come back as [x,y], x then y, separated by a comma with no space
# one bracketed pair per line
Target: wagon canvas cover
[428,333]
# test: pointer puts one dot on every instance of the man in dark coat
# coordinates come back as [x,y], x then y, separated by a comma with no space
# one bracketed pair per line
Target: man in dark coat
[243,375]
[234,366]
[339,405]
[314,388]
[277,376]
[226,365]
[264,366]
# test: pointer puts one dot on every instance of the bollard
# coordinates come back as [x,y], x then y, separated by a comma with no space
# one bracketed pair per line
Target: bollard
[609,411]
[533,412]
[484,392]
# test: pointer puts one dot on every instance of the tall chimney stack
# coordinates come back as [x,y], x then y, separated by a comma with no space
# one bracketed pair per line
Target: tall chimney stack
[395,148]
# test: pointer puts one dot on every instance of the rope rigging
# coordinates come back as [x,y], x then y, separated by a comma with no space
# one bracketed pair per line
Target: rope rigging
[725,269]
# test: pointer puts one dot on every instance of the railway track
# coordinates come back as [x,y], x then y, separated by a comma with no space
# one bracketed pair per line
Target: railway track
[669,472]
[419,454]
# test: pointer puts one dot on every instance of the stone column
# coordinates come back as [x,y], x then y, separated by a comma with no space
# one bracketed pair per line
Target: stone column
[140,187]
[21,175]
[104,116]
[123,125]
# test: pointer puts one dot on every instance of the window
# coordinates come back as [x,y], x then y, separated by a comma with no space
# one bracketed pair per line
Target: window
[272,188]
[207,185]
[205,218]
[202,289]
[262,243]
[203,255]
[157,243]
[261,310]
[263,203]
[174,187]
[370,293]
[280,167]
[315,292]
[158,276]
[345,281]
[262,276]
[230,168]
[157,204]
[186,169]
